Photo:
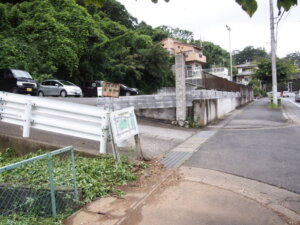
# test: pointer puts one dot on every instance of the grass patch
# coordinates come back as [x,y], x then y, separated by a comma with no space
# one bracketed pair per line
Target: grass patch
[271,105]
[96,177]
[30,220]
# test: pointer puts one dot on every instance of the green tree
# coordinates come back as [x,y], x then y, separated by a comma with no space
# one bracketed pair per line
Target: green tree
[285,70]
[256,86]
[294,58]
[249,54]
[117,12]
[157,34]
[43,37]
[66,40]
[133,59]
[178,34]
[215,55]
[250,6]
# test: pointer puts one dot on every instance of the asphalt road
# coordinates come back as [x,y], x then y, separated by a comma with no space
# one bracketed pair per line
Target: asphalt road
[259,144]
[293,106]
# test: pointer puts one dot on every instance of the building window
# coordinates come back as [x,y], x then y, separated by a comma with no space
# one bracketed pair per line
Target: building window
[188,52]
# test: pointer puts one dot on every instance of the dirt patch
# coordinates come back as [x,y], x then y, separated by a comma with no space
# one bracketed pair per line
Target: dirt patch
[116,210]
[135,216]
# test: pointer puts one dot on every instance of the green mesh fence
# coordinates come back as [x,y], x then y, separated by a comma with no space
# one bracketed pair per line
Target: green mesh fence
[42,186]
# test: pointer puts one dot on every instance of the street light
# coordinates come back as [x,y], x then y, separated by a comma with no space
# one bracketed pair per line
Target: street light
[230,54]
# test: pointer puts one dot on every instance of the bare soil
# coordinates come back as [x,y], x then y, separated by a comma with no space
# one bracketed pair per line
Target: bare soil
[118,210]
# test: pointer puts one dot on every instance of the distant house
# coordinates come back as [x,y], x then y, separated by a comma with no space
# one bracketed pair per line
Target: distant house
[245,72]
[194,58]
[219,72]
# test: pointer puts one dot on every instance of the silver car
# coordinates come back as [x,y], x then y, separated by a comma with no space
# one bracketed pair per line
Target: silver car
[59,88]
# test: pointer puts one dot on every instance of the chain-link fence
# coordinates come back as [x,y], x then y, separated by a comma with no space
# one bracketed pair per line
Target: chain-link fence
[42,186]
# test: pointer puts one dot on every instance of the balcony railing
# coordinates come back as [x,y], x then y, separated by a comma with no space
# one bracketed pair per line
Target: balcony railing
[195,57]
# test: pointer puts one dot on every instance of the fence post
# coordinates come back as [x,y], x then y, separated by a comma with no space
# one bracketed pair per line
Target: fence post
[52,190]
[74,175]
[27,118]
[180,88]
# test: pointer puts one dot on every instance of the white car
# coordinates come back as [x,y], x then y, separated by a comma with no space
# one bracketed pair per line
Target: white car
[59,88]
[285,94]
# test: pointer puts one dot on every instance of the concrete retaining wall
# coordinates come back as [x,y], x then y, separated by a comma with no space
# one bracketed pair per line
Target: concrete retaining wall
[203,106]
[23,146]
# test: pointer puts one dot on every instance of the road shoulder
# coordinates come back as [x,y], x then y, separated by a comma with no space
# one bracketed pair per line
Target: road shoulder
[280,200]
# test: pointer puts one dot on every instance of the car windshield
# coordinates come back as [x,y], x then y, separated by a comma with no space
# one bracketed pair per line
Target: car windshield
[21,74]
[67,83]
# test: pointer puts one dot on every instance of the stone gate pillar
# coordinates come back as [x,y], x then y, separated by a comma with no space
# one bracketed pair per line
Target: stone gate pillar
[180,88]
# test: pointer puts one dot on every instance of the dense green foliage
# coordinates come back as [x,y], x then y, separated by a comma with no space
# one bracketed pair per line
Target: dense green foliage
[249,54]
[285,70]
[250,6]
[96,177]
[178,34]
[157,34]
[257,90]
[117,12]
[293,57]
[215,55]
[17,219]
[68,40]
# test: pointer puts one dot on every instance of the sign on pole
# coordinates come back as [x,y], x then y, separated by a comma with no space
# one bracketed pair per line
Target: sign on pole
[110,90]
[99,92]
[123,124]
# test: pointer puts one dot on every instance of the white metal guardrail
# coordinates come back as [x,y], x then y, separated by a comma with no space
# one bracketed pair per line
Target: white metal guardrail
[67,118]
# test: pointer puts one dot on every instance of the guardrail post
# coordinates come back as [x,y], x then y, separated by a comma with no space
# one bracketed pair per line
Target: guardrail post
[103,141]
[27,118]
[52,190]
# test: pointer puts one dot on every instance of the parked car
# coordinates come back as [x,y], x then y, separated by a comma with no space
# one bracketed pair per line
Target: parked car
[17,81]
[90,89]
[124,90]
[297,96]
[285,94]
[61,88]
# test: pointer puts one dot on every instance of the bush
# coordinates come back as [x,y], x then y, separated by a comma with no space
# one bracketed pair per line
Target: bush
[271,105]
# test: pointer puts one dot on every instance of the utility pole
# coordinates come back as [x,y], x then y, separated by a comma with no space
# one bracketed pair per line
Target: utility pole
[273,53]
[230,53]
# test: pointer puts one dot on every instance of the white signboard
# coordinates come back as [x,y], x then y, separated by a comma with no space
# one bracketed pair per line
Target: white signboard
[99,91]
[123,124]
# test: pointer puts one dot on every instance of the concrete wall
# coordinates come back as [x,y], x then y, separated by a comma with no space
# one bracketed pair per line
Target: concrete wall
[23,146]
[161,114]
[203,106]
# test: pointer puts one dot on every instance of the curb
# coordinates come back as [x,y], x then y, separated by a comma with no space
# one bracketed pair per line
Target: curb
[185,150]
[270,196]
[289,115]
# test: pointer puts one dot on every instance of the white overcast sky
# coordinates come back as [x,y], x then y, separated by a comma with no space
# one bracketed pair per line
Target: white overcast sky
[208,20]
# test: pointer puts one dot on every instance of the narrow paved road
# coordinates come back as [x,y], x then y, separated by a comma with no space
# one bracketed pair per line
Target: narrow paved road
[227,179]
[258,144]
